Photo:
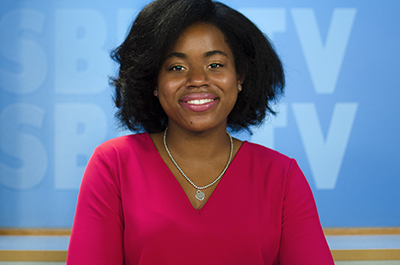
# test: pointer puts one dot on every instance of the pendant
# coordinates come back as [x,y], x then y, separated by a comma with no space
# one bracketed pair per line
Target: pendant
[200,195]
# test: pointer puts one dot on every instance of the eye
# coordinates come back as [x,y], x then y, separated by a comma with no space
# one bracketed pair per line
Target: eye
[215,65]
[177,68]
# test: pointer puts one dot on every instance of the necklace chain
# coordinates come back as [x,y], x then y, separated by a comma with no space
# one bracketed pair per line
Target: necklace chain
[183,173]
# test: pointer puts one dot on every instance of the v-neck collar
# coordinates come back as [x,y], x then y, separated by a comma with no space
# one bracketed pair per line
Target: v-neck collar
[220,184]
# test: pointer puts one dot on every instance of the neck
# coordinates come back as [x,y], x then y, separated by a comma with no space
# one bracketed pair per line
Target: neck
[198,146]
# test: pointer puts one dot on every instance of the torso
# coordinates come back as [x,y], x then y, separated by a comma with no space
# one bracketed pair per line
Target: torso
[261,212]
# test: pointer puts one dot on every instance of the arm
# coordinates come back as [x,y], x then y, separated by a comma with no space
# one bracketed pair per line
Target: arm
[302,240]
[97,233]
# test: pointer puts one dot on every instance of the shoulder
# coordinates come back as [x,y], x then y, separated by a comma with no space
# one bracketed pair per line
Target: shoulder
[261,159]
[259,152]
[125,145]
[125,141]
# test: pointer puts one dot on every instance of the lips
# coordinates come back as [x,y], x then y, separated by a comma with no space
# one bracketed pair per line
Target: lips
[199,102]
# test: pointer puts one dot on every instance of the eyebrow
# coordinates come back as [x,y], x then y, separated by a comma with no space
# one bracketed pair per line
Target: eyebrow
[207,54]
[211,53]
[177,54]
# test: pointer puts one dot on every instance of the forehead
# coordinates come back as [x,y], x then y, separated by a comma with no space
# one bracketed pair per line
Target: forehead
[201,37]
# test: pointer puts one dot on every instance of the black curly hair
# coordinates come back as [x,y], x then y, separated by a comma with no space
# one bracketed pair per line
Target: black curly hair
[153,34]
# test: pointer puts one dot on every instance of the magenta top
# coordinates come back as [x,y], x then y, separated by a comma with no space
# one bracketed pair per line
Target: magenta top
[132,210]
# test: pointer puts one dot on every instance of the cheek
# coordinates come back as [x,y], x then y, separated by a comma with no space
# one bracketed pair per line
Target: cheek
[227,78]
[165,89]
[168,95]
[169,84]
[229,85]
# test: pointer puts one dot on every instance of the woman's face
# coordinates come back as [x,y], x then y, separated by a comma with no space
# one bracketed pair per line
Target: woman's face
[197,84]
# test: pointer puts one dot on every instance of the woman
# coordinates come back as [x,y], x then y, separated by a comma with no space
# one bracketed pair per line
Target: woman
[184,191]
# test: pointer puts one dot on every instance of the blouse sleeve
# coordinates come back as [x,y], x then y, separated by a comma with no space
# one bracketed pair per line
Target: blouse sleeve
[96,236]
[302,241]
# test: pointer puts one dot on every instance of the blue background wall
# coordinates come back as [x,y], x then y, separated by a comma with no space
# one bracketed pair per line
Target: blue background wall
[339,117]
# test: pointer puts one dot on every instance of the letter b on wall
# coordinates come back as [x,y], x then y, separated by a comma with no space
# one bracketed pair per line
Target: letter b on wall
[82,64]
[79,128]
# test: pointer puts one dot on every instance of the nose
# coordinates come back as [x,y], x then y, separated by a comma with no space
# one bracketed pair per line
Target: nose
[197,77]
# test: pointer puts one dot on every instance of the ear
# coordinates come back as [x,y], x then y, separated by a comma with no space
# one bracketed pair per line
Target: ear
[240,83]
[240,79]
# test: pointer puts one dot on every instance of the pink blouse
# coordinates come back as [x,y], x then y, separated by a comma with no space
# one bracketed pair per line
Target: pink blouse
[132,210]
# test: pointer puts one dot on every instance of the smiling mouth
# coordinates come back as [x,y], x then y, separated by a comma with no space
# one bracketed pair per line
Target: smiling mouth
[199,101]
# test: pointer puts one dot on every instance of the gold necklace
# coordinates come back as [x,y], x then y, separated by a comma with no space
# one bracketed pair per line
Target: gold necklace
[199,194]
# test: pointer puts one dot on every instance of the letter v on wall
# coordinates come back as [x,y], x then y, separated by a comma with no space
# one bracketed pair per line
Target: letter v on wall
[325,156]
[324,60]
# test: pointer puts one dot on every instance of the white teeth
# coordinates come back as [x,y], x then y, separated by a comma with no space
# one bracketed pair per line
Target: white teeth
[199,101]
